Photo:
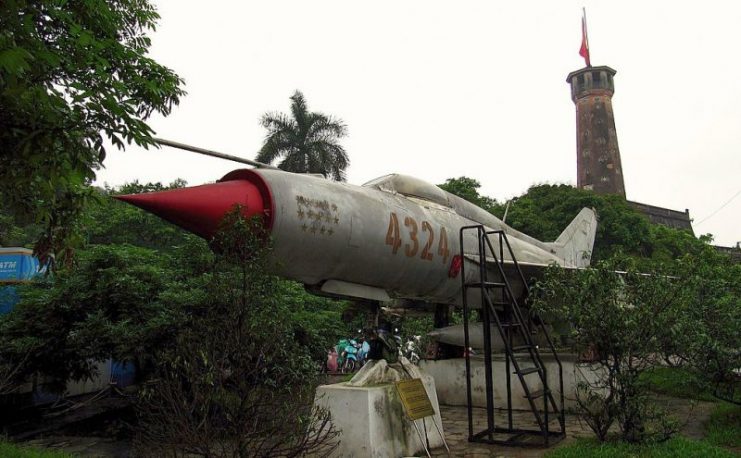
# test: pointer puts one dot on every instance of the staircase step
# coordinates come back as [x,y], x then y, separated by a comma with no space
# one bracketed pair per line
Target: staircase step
[538,393]
[529,370]
[487,284]
[511,325]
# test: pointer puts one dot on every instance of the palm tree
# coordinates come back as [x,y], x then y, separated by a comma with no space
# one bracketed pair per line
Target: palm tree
[307,142]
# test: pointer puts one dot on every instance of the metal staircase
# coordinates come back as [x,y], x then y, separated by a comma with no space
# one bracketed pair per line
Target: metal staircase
[500,308]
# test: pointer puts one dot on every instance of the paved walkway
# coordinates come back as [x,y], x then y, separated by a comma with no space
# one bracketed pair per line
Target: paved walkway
[455,424]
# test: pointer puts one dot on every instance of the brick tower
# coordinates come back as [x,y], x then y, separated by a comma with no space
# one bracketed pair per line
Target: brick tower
[597,154]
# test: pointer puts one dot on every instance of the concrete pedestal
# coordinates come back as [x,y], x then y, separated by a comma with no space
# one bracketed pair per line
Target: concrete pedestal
[450,380]
[372,420]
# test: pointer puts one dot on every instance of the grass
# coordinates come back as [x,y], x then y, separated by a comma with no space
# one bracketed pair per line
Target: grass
[722,430]
[10,450]
[678,383]
[679,447]
[724,427]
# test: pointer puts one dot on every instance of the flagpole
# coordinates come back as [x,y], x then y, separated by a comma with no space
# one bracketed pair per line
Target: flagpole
[586,35]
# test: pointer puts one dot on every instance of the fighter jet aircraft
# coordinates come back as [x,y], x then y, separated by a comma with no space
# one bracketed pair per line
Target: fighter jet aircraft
[395,237]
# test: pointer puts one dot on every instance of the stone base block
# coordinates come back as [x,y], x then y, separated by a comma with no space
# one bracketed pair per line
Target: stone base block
[372,420]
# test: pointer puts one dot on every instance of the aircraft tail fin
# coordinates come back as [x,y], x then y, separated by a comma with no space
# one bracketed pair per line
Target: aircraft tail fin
[576,242]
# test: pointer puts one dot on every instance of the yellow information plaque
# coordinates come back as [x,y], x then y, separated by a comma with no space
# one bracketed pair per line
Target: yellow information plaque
[414,398]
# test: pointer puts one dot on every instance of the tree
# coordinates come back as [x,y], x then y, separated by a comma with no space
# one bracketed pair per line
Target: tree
[622,320]
[72,74]
[17,233]
[307,142]
[468,189]
[545,210]
[107,305]
[124,295]
[136,285]
[707,340]
[108,221]
[237,383]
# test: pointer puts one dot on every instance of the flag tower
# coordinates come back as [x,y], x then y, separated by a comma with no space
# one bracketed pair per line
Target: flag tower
[598,164]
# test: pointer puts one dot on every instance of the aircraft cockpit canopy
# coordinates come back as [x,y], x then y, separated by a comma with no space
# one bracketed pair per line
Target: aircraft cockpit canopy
[410,187]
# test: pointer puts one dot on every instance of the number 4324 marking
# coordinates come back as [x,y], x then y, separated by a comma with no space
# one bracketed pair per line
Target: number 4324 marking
[393,238]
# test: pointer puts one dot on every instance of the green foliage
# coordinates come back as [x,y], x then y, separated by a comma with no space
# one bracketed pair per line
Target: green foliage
[317,321]
[667,244]
[686,312]
[121,299]
[675,448]
[708,333]
[468,189]
[623,320]
[678,382]
[71,75]
[136,284]
[545,210]
[8,449]
[307,141]
[14,233]
[724,427]
[247,382]
[108,221]
[416,325]
[411,326]
[107,305]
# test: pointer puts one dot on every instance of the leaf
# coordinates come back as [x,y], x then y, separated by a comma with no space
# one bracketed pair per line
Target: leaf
[15,60]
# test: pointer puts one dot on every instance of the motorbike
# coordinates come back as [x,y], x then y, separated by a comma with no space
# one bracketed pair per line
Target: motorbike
[363,350]
[350,357]
[340,349]
[411,349]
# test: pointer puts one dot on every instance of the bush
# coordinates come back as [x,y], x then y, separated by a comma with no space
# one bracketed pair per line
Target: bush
[237,382]
[621,320]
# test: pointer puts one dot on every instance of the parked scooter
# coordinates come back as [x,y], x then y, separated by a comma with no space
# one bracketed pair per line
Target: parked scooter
[340,349]
[350,357]
[363,350]
[411,349]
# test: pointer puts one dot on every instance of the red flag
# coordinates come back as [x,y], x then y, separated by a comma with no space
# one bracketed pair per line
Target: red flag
[584,50]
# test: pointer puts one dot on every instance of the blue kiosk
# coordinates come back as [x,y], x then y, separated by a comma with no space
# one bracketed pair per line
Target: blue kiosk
[17,266]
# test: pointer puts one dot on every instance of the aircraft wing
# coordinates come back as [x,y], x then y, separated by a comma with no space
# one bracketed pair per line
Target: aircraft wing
[529,269]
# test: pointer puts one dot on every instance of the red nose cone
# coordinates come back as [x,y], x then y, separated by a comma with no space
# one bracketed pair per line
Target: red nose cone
[200,209]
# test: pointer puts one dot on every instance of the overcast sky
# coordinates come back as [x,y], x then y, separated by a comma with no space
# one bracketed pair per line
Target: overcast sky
[475,88]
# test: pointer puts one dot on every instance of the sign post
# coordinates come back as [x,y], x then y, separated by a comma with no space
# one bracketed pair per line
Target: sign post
[417,405]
